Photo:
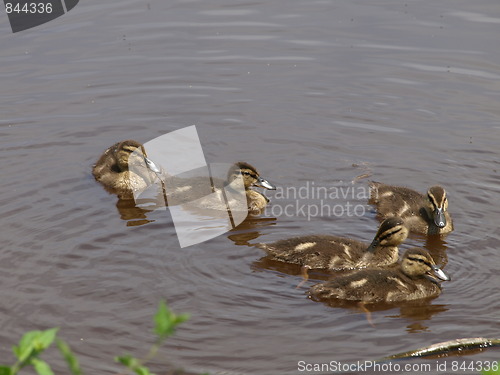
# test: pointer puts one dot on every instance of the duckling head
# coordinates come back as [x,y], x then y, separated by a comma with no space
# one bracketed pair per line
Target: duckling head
[392,232]
[418,262]
[126,157]
[438,205]
[250,176]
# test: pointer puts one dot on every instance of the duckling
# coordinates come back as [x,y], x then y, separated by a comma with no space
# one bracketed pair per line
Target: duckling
[256,200]
[198,191]
[426,215]
[337,253]
[417,277]
[112,169]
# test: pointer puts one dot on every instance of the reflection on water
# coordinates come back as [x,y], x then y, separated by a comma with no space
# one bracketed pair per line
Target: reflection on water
[249,229]
[131,213]
[437,246]
[415,313]
[418,314]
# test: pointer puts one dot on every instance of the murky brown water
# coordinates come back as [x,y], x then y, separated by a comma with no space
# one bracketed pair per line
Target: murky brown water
[313,93]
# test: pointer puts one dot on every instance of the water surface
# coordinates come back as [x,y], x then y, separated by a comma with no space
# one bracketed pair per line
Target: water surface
[310,92]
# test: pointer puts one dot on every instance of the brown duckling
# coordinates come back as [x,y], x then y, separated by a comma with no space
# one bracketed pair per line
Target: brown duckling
[422,214]
[198,191]
[337,253]
[112,169]
[417,277]
[256,200]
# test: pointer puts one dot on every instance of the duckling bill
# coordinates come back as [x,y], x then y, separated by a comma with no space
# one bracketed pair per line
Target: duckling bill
[417,277]
[337,253]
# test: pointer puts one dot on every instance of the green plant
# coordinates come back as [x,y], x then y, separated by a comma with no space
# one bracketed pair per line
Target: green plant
[34,343]
[165,324]
[495,370]
[31,346]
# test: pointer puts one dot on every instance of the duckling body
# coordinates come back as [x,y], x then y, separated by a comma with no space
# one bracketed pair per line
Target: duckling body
[256,201]
[337,253]
[198,190]
[422,214]
[415,278]
[112,169]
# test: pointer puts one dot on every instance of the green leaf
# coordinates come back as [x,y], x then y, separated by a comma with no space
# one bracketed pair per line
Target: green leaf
[181,318]
[162,320]
[128,361]
[46,338]
[5,370]
[142,370]
[134,364]
[33,343]
[494,369]
[70,358]
[26,346]
[166,321]
[491,372]
[41,367]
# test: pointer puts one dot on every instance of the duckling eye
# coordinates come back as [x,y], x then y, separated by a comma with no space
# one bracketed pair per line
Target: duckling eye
[246,173]
[420,261]
[387,235]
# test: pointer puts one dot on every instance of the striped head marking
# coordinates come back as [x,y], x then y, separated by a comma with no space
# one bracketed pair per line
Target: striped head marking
[250,176]
[392,232]
[439,204]
[124,150]
[418,262]
[132,154]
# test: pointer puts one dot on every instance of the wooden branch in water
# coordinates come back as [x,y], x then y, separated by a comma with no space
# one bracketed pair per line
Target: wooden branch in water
[444,348]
